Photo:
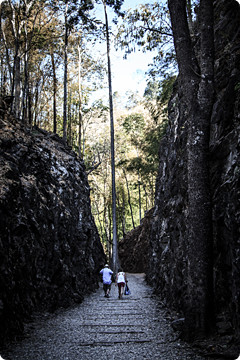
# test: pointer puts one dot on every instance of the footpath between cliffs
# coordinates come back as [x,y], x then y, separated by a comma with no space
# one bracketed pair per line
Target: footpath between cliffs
[136,327]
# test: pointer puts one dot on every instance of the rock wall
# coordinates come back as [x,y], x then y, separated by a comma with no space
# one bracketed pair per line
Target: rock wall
[50,251]
[133,247]
[168,244]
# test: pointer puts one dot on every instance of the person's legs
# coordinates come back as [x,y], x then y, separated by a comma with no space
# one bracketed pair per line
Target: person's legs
[108,290]
[119,290]
[122,289]
[105,289]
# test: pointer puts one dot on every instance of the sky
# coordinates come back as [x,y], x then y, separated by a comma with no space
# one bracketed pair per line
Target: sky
[128,74]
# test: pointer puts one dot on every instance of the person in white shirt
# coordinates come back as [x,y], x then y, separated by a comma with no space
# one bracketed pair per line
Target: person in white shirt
[107,279]
[120,281]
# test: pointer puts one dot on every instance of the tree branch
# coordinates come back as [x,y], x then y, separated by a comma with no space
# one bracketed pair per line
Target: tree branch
[94,168]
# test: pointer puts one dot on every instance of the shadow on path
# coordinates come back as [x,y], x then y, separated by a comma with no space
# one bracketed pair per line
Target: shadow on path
[102,329]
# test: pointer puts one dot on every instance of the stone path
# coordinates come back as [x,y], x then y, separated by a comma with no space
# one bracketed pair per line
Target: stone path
[102,329]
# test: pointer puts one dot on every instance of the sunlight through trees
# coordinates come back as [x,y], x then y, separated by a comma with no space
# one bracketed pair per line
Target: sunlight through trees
[52,67]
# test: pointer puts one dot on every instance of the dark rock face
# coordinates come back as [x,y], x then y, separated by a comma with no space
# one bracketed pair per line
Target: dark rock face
[225,163]
[50,251]
[133,247]
[168,240]
[168,247]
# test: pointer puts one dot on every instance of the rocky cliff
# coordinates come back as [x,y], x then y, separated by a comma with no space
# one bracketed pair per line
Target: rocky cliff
[50,251]
[133,247]
[168,248]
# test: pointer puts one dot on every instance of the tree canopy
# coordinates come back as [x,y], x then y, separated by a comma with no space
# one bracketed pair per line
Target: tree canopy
[52,66]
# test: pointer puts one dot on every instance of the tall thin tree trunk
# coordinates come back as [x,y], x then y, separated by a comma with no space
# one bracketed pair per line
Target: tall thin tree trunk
[70,119]
[139,199]
[106,226]
[36,103]
[80,99]
[109,216]
[139,194]
[129,198]
[30,107]
[25,86]
[16,29]
[83,141]
[123,212]
[17,85]
[99,219]
[54,93]
[115,245]
[152,188]
[146,196]
[65,76]
[7,54]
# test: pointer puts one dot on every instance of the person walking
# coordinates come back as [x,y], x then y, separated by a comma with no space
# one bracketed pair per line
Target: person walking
[107,279]
[121,279]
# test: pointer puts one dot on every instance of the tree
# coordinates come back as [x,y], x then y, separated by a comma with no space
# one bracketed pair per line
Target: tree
[196,81]
[67,30]
[80,94]
[87,67]
[129,198]
[54,92]
[115,248]
[134,124]
[116,5]
[73,12]
[22,17]
[19,16]
[148,28]
[28,29]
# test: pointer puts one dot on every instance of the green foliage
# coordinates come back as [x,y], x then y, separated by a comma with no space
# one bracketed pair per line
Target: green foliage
[157,95]
[147,136]
[237,87]
[147,162]
[134,124]
[116,5]
[137,142]
[148,28]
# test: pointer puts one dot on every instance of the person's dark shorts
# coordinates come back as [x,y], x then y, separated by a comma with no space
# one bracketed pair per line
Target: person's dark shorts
[120,285]
[106,287]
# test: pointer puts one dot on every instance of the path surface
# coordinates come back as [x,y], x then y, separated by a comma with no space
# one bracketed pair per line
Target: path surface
[102,329]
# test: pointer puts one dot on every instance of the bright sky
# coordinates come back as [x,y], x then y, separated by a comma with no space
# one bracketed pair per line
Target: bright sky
[128,74]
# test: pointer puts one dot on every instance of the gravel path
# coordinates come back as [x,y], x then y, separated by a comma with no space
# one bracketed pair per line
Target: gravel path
[102,329]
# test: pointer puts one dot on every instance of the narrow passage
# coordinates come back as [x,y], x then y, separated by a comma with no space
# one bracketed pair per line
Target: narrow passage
[132,328]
